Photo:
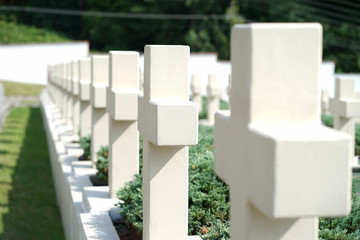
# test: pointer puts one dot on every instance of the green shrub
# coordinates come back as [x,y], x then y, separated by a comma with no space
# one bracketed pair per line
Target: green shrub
[102,163]
[357,139]
[208,195]
[132,206]
[140,153]
[209,200]
[85,144]
[203,113]
[219,231]
[328,120]
[343,228]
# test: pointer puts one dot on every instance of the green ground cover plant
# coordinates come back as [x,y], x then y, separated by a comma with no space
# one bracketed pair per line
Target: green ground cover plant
[203,113]
[21,89]
[102,163]
[327,119]
[343,228]
[28,208]
[85,144]
[208,195]
[209,200]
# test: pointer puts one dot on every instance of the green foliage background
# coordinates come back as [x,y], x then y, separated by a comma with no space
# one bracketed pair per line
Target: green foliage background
[204,34]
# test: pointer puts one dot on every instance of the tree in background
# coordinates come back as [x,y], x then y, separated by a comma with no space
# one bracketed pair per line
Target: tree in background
[205,27]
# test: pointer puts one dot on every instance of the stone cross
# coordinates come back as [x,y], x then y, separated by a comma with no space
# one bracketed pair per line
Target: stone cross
[55,77]
[84,92]
[213,94]
[141,80]
[76,99]
[346,108]
[325,107]
[64,105]
[168,122]
[270,147]
[1,96]
[54,84]
[196,90]
[58,80]
[122,106]
[69,108]
[228,90]
[98,98]
[51,83]
[357,96]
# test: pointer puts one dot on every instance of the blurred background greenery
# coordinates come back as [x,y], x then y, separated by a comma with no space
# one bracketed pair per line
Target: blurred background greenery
[204,25]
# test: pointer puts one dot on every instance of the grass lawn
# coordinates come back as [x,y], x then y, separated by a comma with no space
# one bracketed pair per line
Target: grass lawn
[28,208]
[23,89]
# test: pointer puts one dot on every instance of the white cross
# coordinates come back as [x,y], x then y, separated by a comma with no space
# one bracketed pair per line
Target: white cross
[196,90]
[84,92]
[98,98]
[346,108]
[122,107]
[213,93]
[284,169]
[325,101]
[75,93]
[168,122]
[69,96]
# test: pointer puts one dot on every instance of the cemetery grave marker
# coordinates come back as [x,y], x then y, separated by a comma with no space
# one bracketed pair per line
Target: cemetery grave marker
[123,92]
[270,147]
[168,122]
[213,94]
[98,98]
[196,91]
[84,92]
[346,108]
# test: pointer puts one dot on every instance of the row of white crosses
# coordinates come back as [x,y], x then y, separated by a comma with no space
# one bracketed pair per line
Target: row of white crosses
[284,169]
[214,92]
[346,108]
[108,92]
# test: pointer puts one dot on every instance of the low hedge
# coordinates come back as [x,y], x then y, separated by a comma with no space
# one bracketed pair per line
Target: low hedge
[208,195]
[85,144]
[209,200]
[102,163]
[343,228]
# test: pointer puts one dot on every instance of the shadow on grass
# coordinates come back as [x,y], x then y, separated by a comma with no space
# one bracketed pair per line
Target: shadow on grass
[32,210]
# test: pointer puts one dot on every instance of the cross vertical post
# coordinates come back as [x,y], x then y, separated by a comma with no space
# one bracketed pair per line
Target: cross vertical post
[84,93]
[98,99]
[196,90]
[213,94]
[168,122]
[123,92]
